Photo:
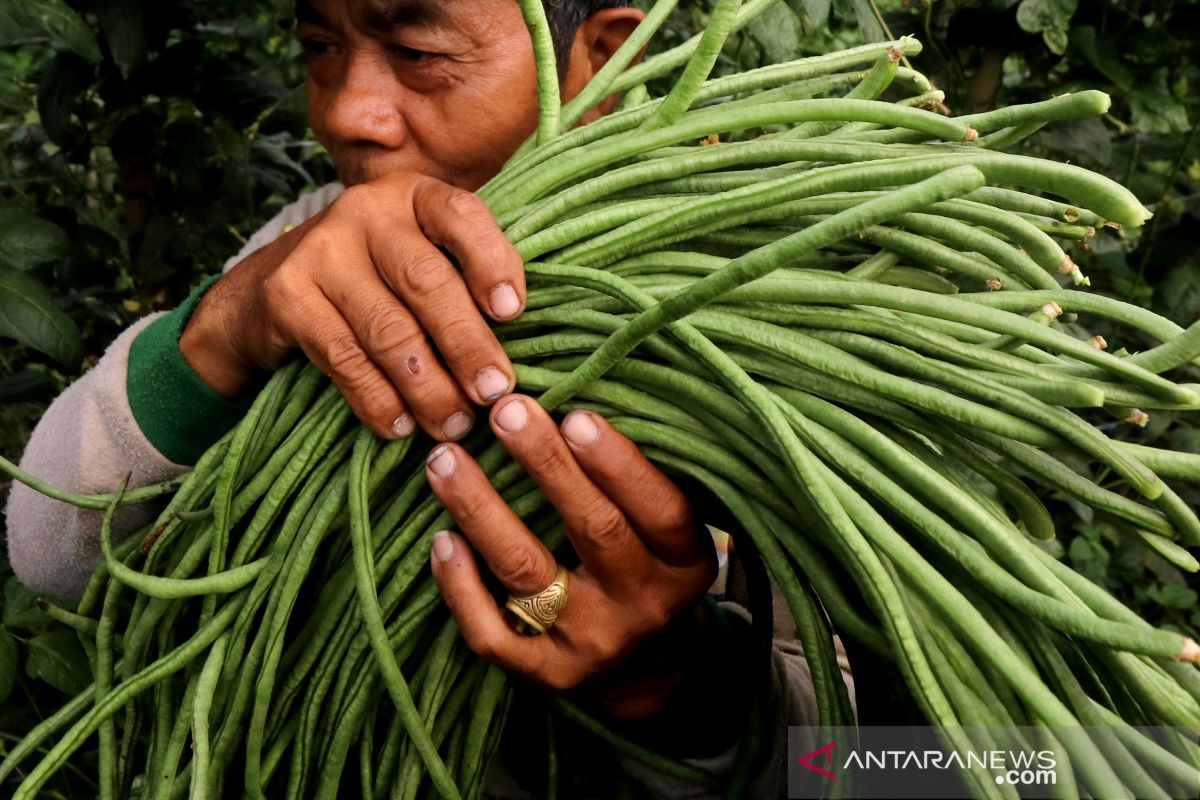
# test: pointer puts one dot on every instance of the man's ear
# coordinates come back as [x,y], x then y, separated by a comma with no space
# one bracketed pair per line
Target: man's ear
[598,38]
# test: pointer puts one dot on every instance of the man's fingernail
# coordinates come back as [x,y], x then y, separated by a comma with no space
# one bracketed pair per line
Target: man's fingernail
[443,546]
[580,429]
[403,427]
[504,301]
[491,384]
[457,426]
[513,417]
[441,461]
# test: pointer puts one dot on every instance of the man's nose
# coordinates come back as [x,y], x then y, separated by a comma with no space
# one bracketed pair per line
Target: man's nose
[366,107]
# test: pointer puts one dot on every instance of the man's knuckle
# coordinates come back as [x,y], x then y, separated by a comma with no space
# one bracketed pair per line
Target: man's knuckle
[346,358]
[600,522]
[656,615]
[462,334]
[604,647]
[389,332]
[469,205]
[427,274]
[675,515]
[521,568]
[484,643]
[354,198]
[545,460]
[321,245]
[470,509]
[284,288]
[563,681]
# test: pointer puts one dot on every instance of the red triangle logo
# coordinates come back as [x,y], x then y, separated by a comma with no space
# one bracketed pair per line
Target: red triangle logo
[827,751]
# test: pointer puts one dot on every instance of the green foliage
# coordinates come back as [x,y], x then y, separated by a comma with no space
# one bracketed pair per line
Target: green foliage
[52,19]
[21,608]
[56,657]
[28,241]
[140,144]
[9,663]
[28,314]
[1050,18]
[42,664]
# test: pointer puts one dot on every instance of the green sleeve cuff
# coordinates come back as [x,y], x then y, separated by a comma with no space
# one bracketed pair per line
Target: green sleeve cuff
[177,411]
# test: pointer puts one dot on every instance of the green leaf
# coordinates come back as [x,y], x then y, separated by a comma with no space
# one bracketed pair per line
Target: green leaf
[57,658]
[777,30]
[1056,40]
[817,11]
[21,607]
[1103,53]
[28,314]
[9,659]
[1178,296]
[27,240]
[124,27]
[64,80]
[53,19]
[1088,142]
[1040,16]
[868,23]
[1156,111]
[1185,439]
[1174,596]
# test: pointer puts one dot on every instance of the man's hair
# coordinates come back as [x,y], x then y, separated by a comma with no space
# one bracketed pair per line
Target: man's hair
[565,17]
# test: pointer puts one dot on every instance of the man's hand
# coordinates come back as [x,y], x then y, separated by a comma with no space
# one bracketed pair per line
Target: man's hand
[644,557]
[364,291]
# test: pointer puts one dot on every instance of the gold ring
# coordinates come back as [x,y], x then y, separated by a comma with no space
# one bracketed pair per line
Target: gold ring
[537,613]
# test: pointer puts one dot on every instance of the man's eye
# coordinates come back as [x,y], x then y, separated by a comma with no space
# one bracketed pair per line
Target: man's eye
[412,55]
[315,47]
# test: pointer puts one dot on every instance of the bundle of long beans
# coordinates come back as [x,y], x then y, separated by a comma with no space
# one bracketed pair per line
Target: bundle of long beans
[844,317]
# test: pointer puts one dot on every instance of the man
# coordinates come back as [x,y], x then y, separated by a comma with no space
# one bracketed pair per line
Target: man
[418,103]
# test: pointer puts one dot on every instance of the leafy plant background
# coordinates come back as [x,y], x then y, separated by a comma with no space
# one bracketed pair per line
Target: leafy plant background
[142,142]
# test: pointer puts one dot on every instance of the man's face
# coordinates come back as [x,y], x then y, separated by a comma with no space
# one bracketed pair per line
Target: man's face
[446,88]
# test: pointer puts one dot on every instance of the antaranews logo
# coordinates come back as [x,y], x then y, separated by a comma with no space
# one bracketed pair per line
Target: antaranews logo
[923,762]
[1010,767]
[827,753]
